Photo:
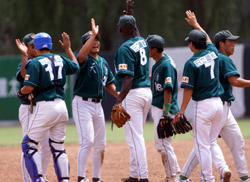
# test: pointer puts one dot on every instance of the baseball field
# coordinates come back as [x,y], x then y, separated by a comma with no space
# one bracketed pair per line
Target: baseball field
[116,160]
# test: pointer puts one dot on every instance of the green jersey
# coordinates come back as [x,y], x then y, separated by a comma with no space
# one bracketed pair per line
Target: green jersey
[94,75]
[48,76]
[201,74]
[164,75]
[20,79]
[227,68]
[132,58]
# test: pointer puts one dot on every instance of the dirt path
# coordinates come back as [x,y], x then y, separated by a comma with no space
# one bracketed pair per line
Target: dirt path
[115,167]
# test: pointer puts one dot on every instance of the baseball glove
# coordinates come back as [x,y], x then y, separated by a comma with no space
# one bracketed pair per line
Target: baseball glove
[164,128]
[119,115]
[23,97]
[180,124]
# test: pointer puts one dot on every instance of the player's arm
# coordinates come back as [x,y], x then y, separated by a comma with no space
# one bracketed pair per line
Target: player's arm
[187,94]
[191,20]
[66,45]
[111,89]
[84,51]
[24,50]
[167,100]
[238,81]
[127,82]
[26,89]
[130,11]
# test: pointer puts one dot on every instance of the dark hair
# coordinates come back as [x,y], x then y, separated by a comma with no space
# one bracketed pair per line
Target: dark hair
[217,45]
[43,49]
[199,45]
[159,50]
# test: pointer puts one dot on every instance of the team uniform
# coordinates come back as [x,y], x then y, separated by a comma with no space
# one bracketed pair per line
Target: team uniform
[132,59]
[164,75]
[47,74]
[201,74]
[230,131]
[89,90]
[24,116]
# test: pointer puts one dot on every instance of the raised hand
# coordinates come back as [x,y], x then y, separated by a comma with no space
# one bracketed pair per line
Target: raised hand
[191,19]
[22,47]
[95,28]
[65,43]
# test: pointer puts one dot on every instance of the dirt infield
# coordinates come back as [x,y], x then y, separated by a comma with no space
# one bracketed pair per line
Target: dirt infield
[116,162]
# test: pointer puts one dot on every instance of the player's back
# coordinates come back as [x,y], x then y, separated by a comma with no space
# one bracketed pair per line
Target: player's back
[132,58]
[201,73]
[47,73]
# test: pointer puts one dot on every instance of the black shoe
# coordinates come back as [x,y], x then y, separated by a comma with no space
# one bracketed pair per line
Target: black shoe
[130,179]
[144,180]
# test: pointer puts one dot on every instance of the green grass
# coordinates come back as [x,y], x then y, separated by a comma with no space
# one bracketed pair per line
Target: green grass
[12,135]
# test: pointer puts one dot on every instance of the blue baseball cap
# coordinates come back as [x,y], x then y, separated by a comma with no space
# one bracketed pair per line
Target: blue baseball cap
[43,40]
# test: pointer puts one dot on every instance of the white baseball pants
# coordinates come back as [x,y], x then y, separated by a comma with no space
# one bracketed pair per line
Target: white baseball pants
[137,103]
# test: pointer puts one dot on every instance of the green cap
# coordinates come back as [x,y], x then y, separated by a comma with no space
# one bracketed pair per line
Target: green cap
[86,36]
[155,41]
[29,39]
[224,34]
[196,36]
[127,21]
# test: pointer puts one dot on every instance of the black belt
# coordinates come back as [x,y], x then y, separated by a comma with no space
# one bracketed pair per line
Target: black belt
[95,100]
[228,103]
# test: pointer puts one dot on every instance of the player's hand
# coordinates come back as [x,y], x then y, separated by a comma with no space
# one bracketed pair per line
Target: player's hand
[65,43]
[95,28]
[130,8]
[191,18]
[22,47]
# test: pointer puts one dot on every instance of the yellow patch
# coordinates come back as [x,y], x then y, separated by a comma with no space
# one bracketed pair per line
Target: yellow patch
[185,79]
[27,77]
[168,80]
[123,67]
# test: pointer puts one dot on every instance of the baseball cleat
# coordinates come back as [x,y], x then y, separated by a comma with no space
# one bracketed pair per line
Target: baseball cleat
[130,179]
[85,180]
[226,175]
[185,180]
[100,180]
[247,180]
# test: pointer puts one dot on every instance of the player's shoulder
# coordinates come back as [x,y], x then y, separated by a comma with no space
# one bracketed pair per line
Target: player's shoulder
[223,56]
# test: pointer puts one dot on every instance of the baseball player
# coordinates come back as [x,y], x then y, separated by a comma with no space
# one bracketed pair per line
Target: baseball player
[132,81]
[230,132]
[27,49]
[45,77]
[201,82]
[94,76]
[164,88]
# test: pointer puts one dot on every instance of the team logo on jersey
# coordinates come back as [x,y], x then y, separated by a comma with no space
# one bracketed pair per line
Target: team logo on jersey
[185,79]
[27,77]
[123,67]
[168,80]
[158,87]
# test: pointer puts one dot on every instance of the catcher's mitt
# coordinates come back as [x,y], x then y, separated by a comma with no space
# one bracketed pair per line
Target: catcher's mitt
[164,128]
[180,124]
[119,115]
